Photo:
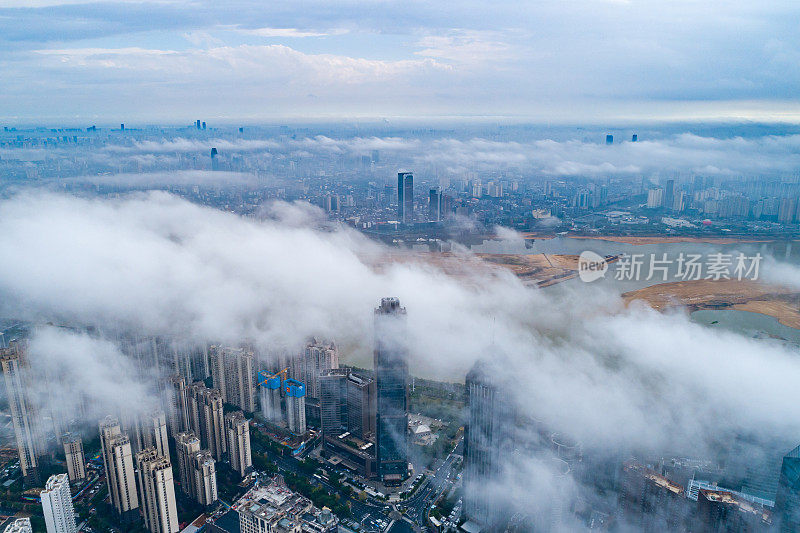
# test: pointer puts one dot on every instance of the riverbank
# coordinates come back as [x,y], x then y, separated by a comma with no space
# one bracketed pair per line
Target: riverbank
[781,303]
[655,239]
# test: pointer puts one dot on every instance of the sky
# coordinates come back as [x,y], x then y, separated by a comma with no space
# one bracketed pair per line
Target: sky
[560,61]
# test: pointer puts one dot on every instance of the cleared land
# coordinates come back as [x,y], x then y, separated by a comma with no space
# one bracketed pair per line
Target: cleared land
[776,301]
[540,270]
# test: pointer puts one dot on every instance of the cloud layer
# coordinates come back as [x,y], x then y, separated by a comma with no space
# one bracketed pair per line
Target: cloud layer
[619,381]
[569,156]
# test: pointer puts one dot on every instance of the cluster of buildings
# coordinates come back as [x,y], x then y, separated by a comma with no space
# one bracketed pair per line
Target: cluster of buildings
[135,447]
[363,419]
[678,495]
[177,447]
[273,508]
[57,508]
[775,201]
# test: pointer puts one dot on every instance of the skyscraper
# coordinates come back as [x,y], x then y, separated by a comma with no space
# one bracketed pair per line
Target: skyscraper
[489,416]
[318,357]
[295,406]
[197,472]
[361,406]
[186,444]
[24,420]
[154,431]
[118,462]
[435,205]
[234,376]
[655,198]
[669,194]
[391,377]
[204,483]
[270,386]
[405,197]
[207,419]
[787,500]
[157,489]
[59,515]
[237,429]
[177,405]
[333,401]
[73,453]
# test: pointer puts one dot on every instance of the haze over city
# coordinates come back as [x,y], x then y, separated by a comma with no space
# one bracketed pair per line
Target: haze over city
[388,267]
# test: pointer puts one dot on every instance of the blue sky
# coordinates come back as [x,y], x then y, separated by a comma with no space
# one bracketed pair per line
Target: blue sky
[560,60]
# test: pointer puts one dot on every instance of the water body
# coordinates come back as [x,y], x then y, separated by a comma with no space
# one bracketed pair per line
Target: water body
[746,323]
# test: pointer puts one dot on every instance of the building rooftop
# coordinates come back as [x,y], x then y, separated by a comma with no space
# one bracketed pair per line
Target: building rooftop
[282,508]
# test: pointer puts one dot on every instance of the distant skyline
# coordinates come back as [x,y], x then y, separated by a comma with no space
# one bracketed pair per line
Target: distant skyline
[170,61]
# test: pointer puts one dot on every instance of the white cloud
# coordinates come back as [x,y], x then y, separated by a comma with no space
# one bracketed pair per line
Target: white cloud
[290,32]
[240,63]
[465,47]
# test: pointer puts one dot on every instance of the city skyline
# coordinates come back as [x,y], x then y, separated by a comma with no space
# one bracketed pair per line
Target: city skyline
[373,266]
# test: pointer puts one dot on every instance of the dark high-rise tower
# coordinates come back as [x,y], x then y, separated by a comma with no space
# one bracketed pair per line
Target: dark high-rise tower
[669,194]
[405,197]
[361,406]
[435,205]
[332,385]
[391,377]
[487,431]
[787,501]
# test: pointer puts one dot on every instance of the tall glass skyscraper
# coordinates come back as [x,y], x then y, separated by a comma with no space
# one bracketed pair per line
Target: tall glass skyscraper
[787,501]
[391,377]
[405,197]
[489,417]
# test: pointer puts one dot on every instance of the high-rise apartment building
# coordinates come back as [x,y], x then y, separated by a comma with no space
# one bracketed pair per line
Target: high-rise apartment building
[120,475]
[186,444]
[207,417]
[361,406]
[233,373]
[295,392]
[157,491]
[318,357]
[391,377]
[237,429]
[655,198]
[405,197]
[59,515]
[73,453]
[197,472]
[204,482]
[23,418]
[177,405]
[154,431]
